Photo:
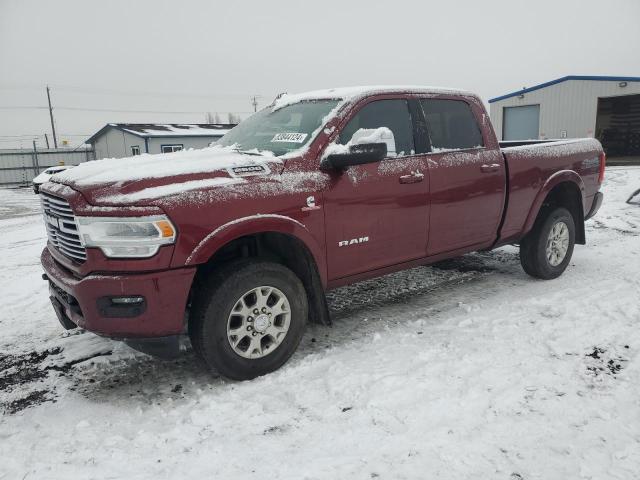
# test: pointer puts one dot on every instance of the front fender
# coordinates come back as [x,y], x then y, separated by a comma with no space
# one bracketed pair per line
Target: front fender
[255,224]
[553,181]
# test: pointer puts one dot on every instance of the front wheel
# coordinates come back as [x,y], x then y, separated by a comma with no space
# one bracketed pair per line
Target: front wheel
[546,251]
[248,319]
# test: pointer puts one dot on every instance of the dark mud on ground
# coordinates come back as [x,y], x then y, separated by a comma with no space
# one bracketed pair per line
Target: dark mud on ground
[21,373]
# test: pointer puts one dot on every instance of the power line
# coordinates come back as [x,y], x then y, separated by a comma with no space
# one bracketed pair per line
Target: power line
[136,111]
[22,107]
[86,109]
[89,90]
[29,135]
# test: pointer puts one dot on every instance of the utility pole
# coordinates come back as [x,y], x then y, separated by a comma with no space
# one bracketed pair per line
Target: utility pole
[254,102]
[46,139]
[53,127]
[34,158]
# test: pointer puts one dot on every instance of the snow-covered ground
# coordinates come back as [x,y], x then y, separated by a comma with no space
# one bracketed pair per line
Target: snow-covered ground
[470,370]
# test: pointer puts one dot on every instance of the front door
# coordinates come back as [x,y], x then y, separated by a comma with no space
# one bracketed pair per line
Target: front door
[376,215]
[466,180]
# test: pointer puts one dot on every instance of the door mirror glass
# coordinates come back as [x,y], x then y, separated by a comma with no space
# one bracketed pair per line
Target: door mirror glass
[358,154]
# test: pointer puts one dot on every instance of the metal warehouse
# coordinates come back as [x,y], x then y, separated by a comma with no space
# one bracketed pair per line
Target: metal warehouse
[117,140]
[607,108]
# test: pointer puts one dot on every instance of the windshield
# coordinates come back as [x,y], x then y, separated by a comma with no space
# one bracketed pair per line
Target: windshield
[280,131]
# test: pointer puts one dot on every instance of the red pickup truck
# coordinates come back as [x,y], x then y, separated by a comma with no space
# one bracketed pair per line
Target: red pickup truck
[236,244]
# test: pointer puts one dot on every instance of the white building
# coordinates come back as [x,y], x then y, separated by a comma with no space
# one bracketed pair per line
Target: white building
[117,140]
[607,108]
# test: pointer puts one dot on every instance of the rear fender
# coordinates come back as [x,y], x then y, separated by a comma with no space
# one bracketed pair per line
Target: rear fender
[255,224]
[552,182]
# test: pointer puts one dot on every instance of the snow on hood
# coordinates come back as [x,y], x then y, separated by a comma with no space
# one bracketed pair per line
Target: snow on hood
[174,188]
[140,167]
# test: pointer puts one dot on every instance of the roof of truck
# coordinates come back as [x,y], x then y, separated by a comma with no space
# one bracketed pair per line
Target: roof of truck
[354,93]
[564,79]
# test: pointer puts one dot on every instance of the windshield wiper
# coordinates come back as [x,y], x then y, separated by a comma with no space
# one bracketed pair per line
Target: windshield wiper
[246,152]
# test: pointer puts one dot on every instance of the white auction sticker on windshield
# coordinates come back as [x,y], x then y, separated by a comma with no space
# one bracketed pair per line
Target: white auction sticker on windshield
[289,137]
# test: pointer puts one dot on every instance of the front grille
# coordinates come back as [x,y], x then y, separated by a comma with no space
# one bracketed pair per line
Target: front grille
[61,227]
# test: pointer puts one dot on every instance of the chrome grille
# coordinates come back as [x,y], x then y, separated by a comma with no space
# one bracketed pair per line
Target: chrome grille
[61,227]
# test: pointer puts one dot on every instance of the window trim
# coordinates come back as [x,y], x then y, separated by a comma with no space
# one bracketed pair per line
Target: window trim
[133,150]
[473,113]
[162,146]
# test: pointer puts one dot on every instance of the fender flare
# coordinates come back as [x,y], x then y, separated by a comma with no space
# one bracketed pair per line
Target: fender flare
[554,180]
[255,224]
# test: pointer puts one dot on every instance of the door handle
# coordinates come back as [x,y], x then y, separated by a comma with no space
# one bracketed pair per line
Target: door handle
[494,167]
[414,177]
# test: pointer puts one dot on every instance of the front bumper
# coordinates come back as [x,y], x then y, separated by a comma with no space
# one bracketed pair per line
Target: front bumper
[80,299]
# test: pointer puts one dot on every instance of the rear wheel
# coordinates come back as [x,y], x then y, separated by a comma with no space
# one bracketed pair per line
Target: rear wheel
[248,319]
[546,251]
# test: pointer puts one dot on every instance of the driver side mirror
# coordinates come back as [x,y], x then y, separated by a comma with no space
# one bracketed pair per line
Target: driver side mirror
[355,155]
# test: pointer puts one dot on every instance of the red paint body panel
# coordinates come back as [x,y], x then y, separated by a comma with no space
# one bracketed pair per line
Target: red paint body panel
[165,291]
[457,205]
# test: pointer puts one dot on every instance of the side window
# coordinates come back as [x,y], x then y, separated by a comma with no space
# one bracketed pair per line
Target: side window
[171,148]
[393,114]
[451,125]
[135,150]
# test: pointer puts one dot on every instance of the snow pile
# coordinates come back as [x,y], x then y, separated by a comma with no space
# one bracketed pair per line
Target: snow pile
[173,129]
[206,160]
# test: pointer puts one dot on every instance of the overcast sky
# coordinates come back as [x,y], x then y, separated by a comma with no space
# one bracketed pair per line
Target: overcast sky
[210,56]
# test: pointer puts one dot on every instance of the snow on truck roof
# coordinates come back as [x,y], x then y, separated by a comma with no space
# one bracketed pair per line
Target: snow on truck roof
[349,94]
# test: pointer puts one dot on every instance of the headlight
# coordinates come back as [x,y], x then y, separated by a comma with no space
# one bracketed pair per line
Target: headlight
[126,237]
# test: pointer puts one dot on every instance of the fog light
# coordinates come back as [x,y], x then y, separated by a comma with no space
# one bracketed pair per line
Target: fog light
[122,307]
[127,300]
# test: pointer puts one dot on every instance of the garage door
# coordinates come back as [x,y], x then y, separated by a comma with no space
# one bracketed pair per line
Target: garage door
[618,125]
[521,123]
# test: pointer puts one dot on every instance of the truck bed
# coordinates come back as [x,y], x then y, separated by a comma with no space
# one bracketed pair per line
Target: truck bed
[532,164]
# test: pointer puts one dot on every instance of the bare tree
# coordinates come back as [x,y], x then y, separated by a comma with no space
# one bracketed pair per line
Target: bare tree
[208,118]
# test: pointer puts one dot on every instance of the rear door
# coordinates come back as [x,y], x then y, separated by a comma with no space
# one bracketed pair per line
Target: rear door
[376,214]
[466,179]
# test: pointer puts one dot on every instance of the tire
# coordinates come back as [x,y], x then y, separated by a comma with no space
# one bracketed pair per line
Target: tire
[213,326]
[535,258]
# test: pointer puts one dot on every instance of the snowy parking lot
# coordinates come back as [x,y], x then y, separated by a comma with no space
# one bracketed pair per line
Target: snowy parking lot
[467,369]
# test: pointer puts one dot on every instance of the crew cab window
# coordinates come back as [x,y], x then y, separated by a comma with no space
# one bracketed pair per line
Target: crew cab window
[451,125]
[393,114]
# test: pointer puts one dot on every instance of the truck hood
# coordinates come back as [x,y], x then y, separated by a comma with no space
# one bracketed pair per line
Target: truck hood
[145,179]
